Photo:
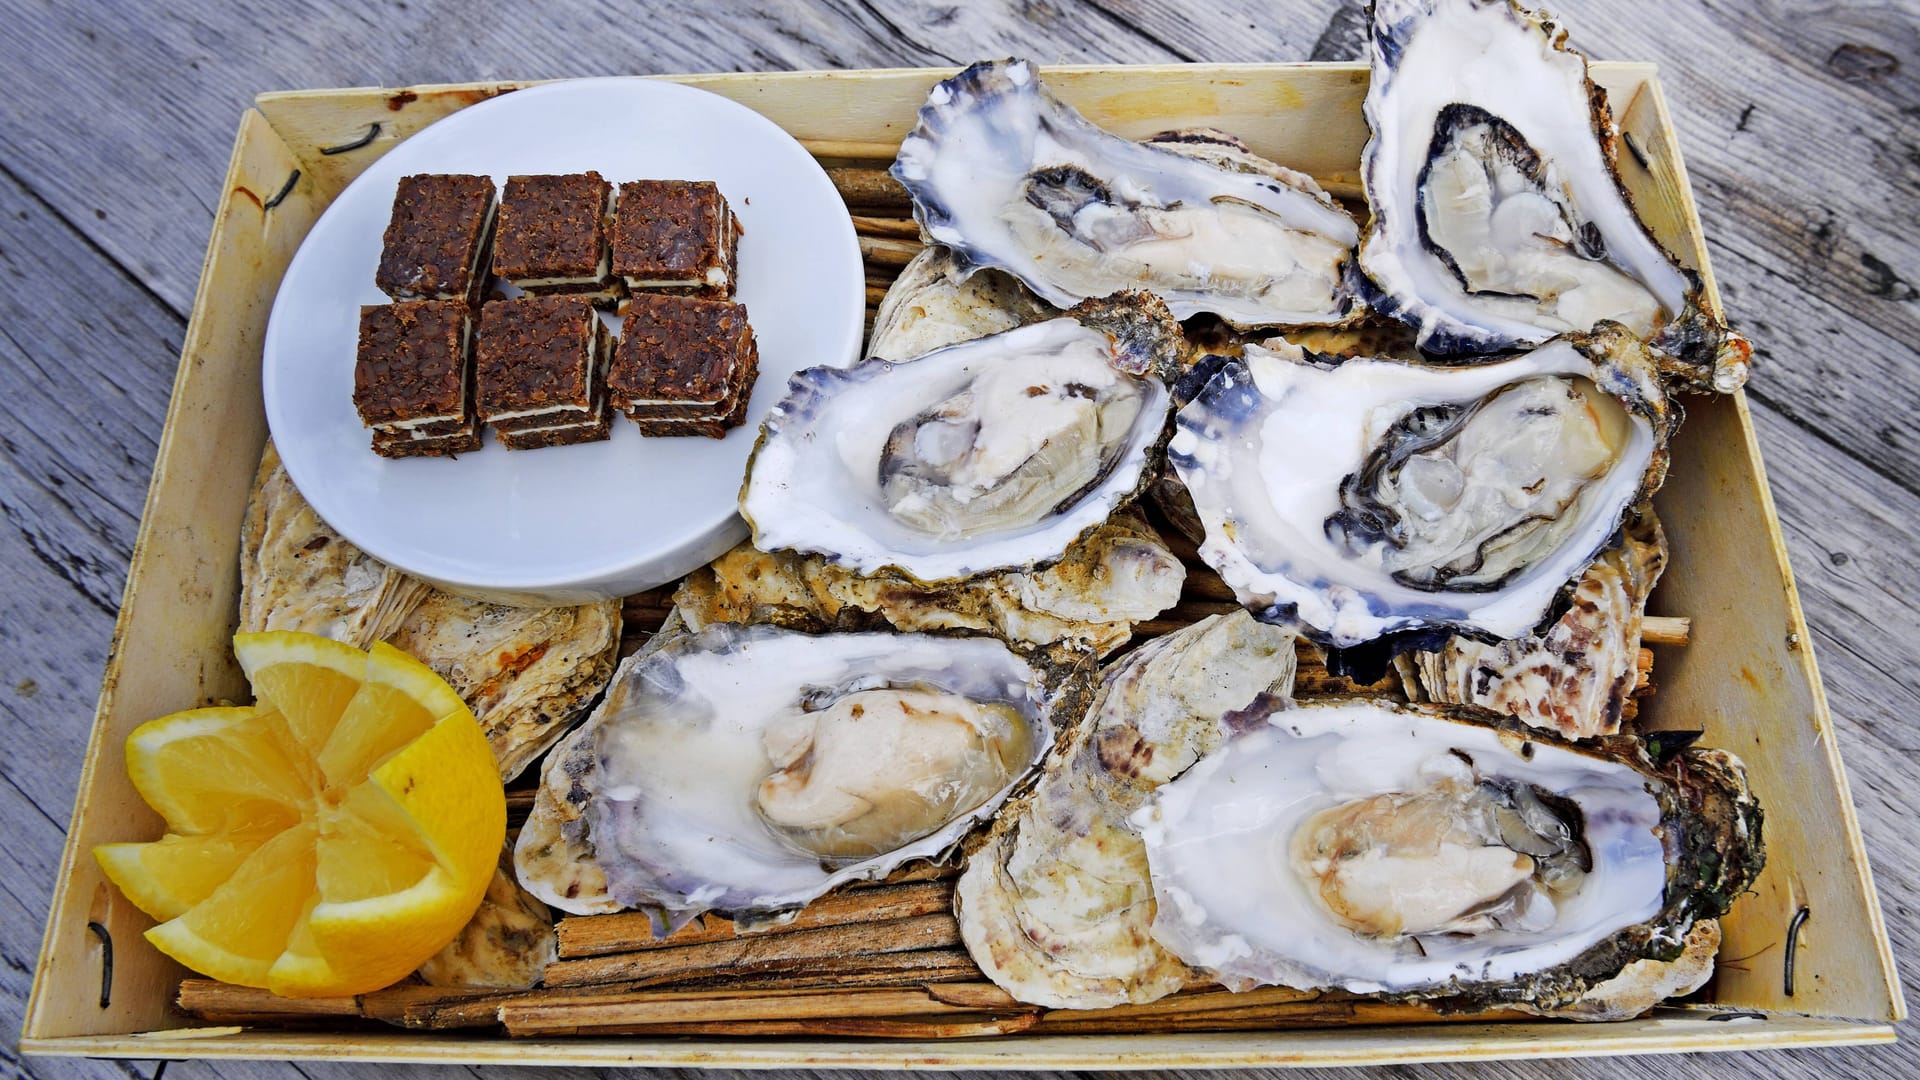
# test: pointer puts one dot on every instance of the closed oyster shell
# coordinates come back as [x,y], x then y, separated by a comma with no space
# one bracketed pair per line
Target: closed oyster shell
[935,303]
[296,573]
[1116,576]
[1573,676]
[506,945]
[1056,906]
[525,672]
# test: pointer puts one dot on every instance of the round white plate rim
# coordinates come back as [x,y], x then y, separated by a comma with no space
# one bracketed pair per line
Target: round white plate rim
[699,544]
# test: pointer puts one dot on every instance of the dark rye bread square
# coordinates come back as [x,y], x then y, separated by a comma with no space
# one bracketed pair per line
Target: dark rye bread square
[678,236]
[553,235]
[414,364]
[435,246]
[538,364]
[683,359]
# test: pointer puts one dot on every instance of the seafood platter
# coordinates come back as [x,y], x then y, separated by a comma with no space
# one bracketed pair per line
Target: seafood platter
[1283,576]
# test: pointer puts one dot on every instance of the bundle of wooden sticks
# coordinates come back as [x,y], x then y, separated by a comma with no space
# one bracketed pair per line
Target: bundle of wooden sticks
[873,960]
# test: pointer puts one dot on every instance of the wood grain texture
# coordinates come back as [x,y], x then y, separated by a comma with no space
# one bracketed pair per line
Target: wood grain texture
[1800,121]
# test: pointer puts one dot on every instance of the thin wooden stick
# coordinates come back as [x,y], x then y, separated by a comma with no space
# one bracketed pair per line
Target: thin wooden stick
[907,1028]
[869,188]
[899,935]
[549,1016]
[1666,630]
[896,228]
[599,935]
[888,253]
[221,1002]
[851,149]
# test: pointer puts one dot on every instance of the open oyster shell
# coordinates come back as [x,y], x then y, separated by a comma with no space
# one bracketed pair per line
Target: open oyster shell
[1430,855]
[1006,175]
[991,454]
[1056,906]
[749,770]
[1499,219]
[1377,499]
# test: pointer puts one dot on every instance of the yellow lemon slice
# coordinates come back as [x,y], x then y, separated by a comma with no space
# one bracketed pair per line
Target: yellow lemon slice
[326,840]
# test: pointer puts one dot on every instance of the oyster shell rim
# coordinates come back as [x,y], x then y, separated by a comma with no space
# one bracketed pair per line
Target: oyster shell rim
[1148,339]
[1704,801]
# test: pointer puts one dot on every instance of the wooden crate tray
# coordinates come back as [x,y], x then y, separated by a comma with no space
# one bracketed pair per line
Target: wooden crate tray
[1747,677]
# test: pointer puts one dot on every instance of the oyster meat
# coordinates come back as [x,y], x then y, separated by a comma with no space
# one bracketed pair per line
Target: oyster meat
[1499,219]
[1056,906]
[992,454]
[1421,854]
[1006,175]
[1376,498]
[1110,579]
[1575,675]
[749,770]
[936,302]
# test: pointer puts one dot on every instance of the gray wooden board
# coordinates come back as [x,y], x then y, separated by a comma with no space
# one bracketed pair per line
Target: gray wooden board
[1800,121]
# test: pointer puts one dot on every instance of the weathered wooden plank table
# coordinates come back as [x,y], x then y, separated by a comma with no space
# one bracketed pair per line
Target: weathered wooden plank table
[1800,121]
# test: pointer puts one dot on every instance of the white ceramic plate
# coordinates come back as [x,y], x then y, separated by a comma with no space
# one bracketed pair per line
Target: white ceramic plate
[563,524]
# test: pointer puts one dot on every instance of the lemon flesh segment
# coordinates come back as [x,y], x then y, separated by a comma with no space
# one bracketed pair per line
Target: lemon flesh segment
[448,786]
[241,928]
[220,770]
[300,970]
[399,700]
[308,678]
[167,876]
[356,859]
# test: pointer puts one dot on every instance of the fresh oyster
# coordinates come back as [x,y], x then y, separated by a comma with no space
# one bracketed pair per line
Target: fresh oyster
[1006,175]
[1575,675]
[935,302]
[992,454]
[1056,906]
[749,770]
[1421,854]
[526,673]
[296,573]
[507,944]
[1499,219]
[1119,574]
[1378,498]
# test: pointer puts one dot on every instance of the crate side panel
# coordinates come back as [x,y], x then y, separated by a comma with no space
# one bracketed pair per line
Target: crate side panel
[1306,116]
[172,647]
[1748,677]
[1668,1032]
